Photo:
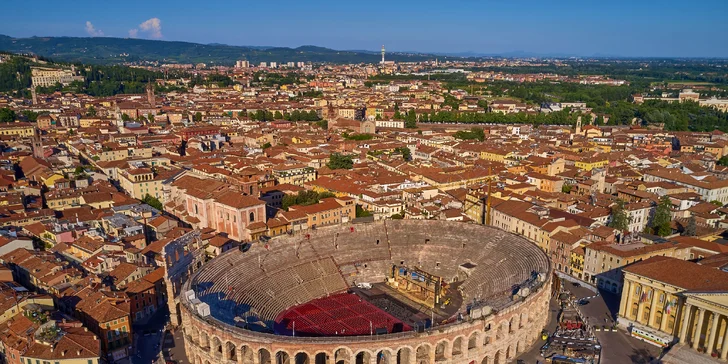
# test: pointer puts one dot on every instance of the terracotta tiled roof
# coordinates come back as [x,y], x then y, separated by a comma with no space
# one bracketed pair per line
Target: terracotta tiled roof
[681,273]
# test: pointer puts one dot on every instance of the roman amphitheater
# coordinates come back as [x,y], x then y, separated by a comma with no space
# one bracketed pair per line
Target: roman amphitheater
[329,296]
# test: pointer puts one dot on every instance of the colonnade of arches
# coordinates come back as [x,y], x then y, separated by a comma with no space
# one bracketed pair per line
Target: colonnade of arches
[478,346]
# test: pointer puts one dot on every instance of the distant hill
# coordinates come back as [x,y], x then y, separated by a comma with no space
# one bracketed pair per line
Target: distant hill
[103,50]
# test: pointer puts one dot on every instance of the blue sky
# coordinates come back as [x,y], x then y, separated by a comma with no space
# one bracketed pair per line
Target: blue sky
[615,27]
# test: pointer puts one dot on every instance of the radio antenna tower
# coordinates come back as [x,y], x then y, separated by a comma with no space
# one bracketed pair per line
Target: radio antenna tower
[382,53]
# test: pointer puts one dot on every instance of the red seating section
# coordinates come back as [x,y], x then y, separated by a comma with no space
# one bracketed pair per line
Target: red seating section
[343,314]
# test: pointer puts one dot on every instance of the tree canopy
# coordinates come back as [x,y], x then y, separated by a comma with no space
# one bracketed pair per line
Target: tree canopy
[304,198]
[340,161]
[153,201]
[660,224]
[620,218]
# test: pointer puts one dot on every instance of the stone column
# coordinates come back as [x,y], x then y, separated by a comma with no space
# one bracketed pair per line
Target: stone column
[640,306]
[653,309]
[713,330]
[626,294]
[724,348]
[684,325]
[665,315]
[698,328]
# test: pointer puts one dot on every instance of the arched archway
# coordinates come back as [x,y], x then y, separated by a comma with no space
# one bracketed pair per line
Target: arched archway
[230,351]
[457,346]
[497,359]
[204,341]
[320,358]
[246,354]
[512,325]
[282,357]
[509,353]
[423,354]
[473,342]
[363,357]
[441,351]
[264,356]
[342,356]
[301,358]
[503,327]
[403,355]
[523,320]
[215,347]
[384,357]
[487,341]
[486,360]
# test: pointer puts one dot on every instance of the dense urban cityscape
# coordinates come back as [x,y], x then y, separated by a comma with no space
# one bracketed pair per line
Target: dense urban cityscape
[180,203]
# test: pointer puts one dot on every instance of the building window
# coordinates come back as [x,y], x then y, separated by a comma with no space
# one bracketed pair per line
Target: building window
[252,216]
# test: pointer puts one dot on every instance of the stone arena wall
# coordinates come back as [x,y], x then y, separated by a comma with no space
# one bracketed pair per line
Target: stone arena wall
[493,339]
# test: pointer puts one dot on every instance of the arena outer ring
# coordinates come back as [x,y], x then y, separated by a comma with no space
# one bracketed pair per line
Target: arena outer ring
[494,339]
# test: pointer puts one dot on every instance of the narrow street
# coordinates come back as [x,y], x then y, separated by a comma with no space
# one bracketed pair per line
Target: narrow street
[147,337]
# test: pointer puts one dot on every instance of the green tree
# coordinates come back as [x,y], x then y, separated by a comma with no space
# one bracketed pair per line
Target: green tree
[406,153]
[197,117]
[340,161]
[566,188]
[620,218]
[29,115]
[360,212]
[661,221]
[397,217]
[717,203]
[723,161]
[153,201]
[278,115]
[125,117]
[304,198]
[472,134]
[7,115]
[91,111]
[266,145]
[323,124]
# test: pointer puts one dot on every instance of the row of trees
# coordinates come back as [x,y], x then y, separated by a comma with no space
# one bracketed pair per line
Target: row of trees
[660,223]
[296,115]
[304,198]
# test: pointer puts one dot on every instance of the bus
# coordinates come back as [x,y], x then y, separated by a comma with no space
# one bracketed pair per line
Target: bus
[657,339]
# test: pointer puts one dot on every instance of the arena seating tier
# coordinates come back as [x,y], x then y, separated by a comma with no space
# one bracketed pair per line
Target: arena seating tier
[295,270]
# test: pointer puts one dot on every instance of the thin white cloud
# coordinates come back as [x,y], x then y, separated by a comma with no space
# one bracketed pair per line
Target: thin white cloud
[151,28]
[92,31]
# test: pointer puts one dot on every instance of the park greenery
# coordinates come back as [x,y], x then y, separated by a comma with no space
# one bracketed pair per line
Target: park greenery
[7,115]
[472,134]
[358,137]
[304,198]
[340,161]
[295,115]
[153,201]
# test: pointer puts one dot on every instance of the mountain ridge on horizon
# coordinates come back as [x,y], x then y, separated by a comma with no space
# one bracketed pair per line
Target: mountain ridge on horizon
[115,50]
